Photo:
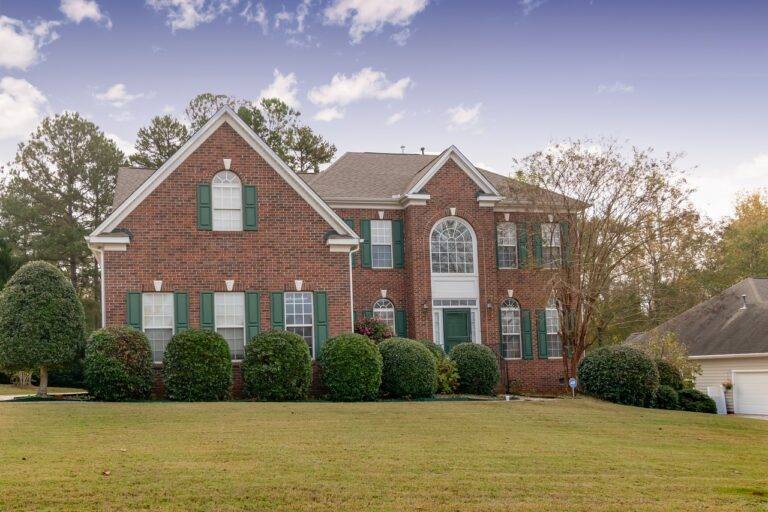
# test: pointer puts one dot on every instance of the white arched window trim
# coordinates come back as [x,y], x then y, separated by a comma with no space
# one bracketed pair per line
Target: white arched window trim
[554,344]
[384,310]
[511,330]
[227,201]
[451,252]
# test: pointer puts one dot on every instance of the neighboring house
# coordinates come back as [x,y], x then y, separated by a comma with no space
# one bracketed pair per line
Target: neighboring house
[728,336]
[225,236]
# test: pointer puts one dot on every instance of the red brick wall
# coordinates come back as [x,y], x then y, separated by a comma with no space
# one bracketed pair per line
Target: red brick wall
[167,245]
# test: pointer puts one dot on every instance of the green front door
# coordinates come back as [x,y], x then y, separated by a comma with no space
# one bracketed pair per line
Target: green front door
[457,327]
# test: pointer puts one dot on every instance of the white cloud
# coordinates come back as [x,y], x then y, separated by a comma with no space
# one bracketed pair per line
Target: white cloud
[461,117]
[188,14]
[717,188]
[123,145]
[20,42]
[296,19]
[168,109]
[396,117]
[367,16]
[256,15]
[530,5]
[329,114]
[20,107]
[400,38]
[615,88]
[283,87]
[367,84]
[117,96]
[79,10]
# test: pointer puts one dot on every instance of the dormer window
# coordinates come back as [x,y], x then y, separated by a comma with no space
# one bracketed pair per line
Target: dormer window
[227,202]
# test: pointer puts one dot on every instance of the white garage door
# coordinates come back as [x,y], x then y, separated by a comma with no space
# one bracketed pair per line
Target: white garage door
[750,392]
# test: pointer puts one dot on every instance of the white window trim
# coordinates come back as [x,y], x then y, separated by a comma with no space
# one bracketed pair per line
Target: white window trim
[514,244]
[311,312]
[391,244]
[390,308]
[552,306]
[216,325]
[144,318]
[475,262]
[226,185]
[520,322]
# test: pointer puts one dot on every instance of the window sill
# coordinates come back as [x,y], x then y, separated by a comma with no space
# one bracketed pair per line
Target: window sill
[513,358]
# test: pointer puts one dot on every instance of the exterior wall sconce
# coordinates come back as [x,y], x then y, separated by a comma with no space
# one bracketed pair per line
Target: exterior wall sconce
[230,284]
[227,163]
[489,305]
[298,283]
[158,285]
[425,306]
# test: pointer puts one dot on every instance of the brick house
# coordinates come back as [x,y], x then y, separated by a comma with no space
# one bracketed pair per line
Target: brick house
[225,236]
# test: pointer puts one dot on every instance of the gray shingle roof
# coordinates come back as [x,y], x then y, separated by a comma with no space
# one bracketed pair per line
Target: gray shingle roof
[720,325]
[128,180]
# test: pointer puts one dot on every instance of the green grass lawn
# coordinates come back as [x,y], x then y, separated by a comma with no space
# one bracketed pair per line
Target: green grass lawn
[449,456]
[8,389]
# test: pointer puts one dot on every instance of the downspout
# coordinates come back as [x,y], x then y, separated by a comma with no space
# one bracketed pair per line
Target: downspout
[99,255]
[351,289]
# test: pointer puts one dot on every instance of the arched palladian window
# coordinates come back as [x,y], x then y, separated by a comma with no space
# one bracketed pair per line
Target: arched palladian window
[227,202]
[554,345]
[384,310]
[511,332]
[452,247]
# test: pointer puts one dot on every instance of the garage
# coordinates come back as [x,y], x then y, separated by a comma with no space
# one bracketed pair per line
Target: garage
[750,392]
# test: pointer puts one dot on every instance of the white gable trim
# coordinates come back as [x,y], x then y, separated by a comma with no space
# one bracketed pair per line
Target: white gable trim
[463,162]
[225,115]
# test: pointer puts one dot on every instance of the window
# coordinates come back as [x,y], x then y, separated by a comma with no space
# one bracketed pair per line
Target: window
[230,321]
[511,337]
[452,248]
[506,238]
[298,315]
[384,310]
[551,250]
[381,244]
[157,319]
[554,346]
[227,202]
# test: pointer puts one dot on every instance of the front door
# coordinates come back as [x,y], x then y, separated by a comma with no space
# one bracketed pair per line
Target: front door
[457,327]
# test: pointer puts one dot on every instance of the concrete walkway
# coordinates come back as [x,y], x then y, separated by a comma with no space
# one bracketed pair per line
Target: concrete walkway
[10,398]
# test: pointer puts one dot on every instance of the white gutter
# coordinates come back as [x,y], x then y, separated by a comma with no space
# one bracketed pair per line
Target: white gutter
[730,356]
[351,288]
[99,255]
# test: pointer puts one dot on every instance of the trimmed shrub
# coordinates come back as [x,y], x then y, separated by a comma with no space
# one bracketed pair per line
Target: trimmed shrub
[351,365]
[669,375]
[118,365]
[694,400]
[477,367]
[435,349]
[277,366]
[197,367]
[619,374]
[409,371]
[447,376]
[41,321]
[665,398]
[374,328]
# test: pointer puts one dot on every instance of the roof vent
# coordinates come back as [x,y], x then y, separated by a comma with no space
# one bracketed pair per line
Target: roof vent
[402,149]
[743,302]
[422,149]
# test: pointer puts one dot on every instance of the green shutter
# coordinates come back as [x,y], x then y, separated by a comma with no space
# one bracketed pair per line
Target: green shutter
[401,325]
[541,332]
[276,307]
[252,315]
[365,250]
[537,251]
[525,321]
[368,314]
[181,311]
[207,317]
[133,310]
[250,208]
[398,252]
[351,224]
[204,207]
[564,243]
[321,321]
[522,245]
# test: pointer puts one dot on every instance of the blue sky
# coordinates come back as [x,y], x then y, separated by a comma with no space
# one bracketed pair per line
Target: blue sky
[499,79]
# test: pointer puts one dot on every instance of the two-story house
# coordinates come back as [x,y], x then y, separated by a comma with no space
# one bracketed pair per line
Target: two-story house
[225,236]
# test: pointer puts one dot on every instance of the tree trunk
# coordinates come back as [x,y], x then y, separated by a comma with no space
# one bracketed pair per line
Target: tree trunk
[73,272]
[42,389]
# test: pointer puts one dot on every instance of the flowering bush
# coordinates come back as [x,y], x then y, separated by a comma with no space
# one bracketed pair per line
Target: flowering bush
[374,329]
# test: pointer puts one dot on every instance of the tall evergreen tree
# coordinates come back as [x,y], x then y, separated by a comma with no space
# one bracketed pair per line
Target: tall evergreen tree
[158,141]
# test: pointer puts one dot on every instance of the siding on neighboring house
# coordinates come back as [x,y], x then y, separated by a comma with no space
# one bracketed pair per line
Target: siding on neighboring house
[715,371]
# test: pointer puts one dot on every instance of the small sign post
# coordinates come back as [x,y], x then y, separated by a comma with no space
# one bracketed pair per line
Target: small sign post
[572,383]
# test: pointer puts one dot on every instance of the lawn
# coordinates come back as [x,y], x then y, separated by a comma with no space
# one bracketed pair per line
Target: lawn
[448,456]
[8,389]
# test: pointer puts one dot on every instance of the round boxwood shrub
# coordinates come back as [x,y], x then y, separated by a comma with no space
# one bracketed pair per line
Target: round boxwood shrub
[477,367]
[695,401]
[277,366]
[410,370]
[669,375]
[197,367]
[666,398]
[118,364]
[351,366]
[435,349]
[619,374]
[374,328]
